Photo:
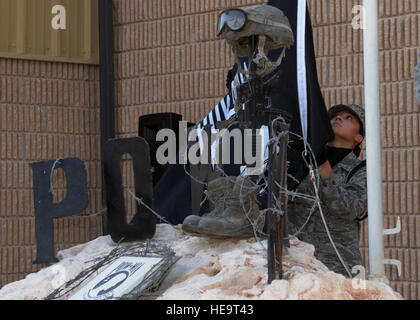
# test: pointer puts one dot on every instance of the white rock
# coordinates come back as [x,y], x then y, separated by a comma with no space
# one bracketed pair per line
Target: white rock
[72,261]
[215,270]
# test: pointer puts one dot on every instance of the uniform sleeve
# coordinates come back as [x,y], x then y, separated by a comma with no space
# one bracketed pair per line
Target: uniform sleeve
[345,199]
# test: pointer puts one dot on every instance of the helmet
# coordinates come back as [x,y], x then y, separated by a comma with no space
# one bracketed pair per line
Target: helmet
[354,109]
[236,25]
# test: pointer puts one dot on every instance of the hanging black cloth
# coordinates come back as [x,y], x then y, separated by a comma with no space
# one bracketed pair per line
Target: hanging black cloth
[286,95]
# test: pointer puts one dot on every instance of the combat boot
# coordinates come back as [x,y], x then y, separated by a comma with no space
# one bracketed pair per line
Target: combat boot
[216,193]
[241,215]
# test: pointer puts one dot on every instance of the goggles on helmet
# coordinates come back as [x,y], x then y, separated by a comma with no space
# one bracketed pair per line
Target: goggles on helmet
[235,19]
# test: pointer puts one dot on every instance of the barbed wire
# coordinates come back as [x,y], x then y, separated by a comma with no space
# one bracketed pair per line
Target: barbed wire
[58,160]
[82,276]
[313,170]
[151,281]
[141,202]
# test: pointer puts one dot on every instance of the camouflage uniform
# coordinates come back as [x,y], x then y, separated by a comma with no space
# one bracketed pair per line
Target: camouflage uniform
[417,80]
[343,203]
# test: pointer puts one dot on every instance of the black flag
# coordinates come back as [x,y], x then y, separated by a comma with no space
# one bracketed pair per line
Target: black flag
[286,95]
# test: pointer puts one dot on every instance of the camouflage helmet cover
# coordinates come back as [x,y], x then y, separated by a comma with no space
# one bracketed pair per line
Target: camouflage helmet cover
[354,109]
[262,20]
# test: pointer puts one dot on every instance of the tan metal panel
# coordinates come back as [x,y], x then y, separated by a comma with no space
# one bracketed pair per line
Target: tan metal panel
[27,32]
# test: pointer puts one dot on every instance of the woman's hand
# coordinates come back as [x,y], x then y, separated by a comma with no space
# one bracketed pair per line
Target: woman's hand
[325,170]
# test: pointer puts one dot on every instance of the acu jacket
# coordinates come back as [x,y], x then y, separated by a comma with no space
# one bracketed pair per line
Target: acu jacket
[344,203]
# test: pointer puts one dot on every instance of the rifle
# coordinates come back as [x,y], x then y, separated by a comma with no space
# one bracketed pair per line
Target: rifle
[253,95]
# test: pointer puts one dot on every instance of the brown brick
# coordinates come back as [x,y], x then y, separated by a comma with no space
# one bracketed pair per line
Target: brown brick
[172,47]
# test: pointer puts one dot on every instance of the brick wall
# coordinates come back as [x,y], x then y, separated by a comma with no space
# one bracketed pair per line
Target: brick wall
[169,60]
[47,110]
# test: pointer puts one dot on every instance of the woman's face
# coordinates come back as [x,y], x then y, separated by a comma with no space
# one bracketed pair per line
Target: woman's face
[346,126]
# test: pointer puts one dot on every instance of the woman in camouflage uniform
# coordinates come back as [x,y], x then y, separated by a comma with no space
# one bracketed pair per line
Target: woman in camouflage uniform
[342,191]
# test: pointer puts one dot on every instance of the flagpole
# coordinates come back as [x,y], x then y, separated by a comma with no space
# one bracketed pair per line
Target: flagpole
[373,141]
